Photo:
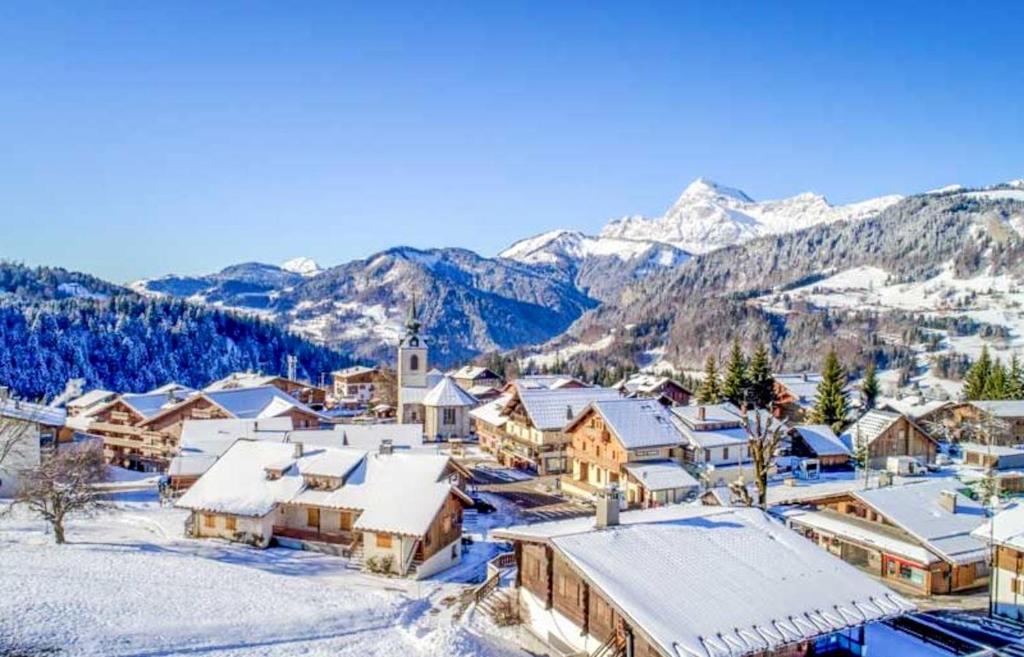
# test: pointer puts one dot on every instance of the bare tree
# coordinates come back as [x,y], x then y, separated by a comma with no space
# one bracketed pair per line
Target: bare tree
[16,440]
[63,484]
[765,434]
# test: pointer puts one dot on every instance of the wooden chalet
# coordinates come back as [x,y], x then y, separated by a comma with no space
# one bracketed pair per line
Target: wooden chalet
[1004,534]
[631,443]
[679,579]
[313,396]
[886,434]
[662,388]
[391,513]
[916,536]
[533,437]
[142,431]
[1001,420]
[358,384]
[818,441]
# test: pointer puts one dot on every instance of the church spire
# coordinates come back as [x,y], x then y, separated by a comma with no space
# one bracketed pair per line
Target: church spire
[413,322]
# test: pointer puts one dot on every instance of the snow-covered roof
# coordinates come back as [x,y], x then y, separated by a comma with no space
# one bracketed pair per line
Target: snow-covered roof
[479,391]
[258,402]
[16,409]
[550,409]
[637,423]
[91,398]
[191,465]
[241,380]
[860,531]
[803,386]
[490,412]
[149,404]
[822,440]
[546,381]
[1011,408]
[354,370]
[868,427]
[447,394]
[336,463]
[715,415]
[914,407]
[916,509]
[237,482]
[370,436]
[397,493]
[709,438]
[1006,529]
[217,435]
[644,383]
[718,581]
[473,372]
[663,474]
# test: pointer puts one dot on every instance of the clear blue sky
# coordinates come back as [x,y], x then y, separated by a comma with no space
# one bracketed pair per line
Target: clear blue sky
[138,138]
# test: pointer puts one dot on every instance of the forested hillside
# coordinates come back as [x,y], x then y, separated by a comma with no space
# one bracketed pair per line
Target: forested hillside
[118,340]
[701,306]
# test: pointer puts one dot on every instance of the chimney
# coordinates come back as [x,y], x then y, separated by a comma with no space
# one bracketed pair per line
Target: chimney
[805,377]
[298,450]
[702,413]
[607,507]
[4,393]
[947,500]
[568,412]
[387,446]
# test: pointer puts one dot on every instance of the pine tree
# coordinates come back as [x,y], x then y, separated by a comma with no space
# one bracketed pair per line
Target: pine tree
[976,381]
[830,406]
[734,385]
[869,387]
[710,392]
[762,385]
[997,385]
[1015,382]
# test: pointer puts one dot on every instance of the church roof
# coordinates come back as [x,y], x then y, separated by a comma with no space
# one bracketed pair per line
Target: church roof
[447,393]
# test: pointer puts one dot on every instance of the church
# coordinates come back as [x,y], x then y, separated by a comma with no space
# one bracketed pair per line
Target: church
[427,396]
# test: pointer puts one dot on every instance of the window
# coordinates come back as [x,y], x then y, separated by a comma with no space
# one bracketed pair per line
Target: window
[230,523]
[448,416]
[346,521]
[313,517]
[384,541]
[707,455]
[209,521]
[725,453]
[414,362]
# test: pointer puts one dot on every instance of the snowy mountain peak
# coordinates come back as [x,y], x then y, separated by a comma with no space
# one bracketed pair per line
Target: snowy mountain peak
[303,266]
[709,216]
[705,187]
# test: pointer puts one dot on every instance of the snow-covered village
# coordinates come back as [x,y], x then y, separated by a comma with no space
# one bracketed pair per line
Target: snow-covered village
[444,330]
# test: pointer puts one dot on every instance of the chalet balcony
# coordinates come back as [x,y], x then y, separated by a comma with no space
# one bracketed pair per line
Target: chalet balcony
[313,536]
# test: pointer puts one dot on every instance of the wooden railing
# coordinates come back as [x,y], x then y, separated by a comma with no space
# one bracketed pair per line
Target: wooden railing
[495,568]
[336,538]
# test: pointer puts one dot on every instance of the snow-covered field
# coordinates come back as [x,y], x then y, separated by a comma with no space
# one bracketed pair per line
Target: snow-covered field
[128,583]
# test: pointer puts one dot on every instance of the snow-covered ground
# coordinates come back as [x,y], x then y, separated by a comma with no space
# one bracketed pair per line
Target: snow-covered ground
[550,358]
[128,583]
[994,300]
